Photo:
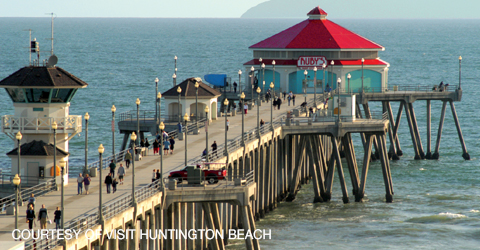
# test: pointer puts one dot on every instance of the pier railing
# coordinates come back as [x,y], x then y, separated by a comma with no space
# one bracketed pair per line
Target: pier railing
[12,124]
[132,115]
[407,89]
[37,190]
[229,181]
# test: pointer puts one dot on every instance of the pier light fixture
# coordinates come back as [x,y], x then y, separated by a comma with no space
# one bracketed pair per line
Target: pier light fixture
[179,91]
[363,61]
[156,100]
[315,86]
[186,118]
[133,138]
[348,77]
[252,80]
[305,72]
[332,62]
[206,132]
[19,137]
[242,96]
[175,58]
[263,65]
[87,117]
[258,111]
[260,59]
[258,90]
[161,126]
[101,149]
[273,62]
[113,133]
[160,152]
[324,66]
[252,68]
[174,76]
[263,80]
[460,72]
[273,91]
[226,101]
[226,126]
[272,85]
[159,97]
[240,72]
[54,127]
[197,84]
[138,118]
[339,81]
[62,164]
[242,105]
[239,80]
[16,182]
[271,107]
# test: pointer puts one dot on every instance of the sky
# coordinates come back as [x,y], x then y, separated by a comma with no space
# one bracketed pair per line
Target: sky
[235,8]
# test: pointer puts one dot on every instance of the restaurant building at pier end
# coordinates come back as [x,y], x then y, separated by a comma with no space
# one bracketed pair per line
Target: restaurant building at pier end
[316,42]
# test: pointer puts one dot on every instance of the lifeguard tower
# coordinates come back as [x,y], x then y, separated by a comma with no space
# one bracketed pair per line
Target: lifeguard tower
[41,95]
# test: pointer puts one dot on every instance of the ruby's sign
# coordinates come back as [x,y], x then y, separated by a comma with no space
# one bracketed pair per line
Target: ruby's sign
[311,61]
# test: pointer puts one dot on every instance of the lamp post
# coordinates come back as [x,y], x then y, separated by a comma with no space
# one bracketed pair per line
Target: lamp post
[226,131]
[305,90]
[273,89]
[156,99]
[159,101]
[348,77]
[239,80]
[101,149]
[323,81]
[133,138]
[242,100]
[175,72]
[332,63]
[185,118]
[258,112]
[87,117]
[263,79]
[18,136]
[113,133]
[363,60]
[197,84]
[252,72]
[62,166]
[179,91]
[206,132]
[54,127]
[174,77]
[138,119]
[271,107]
[460,72]
[339,81]
[161,127]
[315,87]
[16,182]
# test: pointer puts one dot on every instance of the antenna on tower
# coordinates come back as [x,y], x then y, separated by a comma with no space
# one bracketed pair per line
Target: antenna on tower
[52,14]
[29,46]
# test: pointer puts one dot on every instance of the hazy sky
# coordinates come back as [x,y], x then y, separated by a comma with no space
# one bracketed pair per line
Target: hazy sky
[235,8]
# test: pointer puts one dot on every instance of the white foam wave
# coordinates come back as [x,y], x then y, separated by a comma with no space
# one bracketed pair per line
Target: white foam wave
[422,169]
[454,216]
[474,211]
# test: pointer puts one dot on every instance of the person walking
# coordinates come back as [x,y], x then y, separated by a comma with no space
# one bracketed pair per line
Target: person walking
[262,122]
[147,144]
[86,182]
[245,108]
[154,175]
[142,143]
[121,173]
[228,124]
[31,200]
[108,182]
[43,217]
[114,184]
[289,98]
[214,148]
[57,217]
[284,95]
[172,144]
[128,158]
[79,184]
[158,175]
[155,147]
[235,87]
[30,216]
[279,102]
[112,167]
[166,147]
[293,100]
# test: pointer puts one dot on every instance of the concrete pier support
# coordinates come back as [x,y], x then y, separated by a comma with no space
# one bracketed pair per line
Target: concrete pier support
[417,132]
[412,132]
[297,169]
[465,154]
[341,176]
[436,154]
[366,163]
[387,177]
[429,131]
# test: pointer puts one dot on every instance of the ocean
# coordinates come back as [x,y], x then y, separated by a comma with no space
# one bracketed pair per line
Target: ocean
[436,203]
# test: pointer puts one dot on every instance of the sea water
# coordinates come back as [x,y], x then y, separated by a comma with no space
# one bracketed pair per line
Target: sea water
[436,203]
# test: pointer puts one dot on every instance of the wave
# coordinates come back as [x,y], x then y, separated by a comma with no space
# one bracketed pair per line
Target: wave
[441,217]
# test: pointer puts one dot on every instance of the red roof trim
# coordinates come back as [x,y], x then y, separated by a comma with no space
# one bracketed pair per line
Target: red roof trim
[268,62]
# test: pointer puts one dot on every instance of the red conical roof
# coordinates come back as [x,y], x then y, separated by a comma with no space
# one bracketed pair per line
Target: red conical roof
[316,33]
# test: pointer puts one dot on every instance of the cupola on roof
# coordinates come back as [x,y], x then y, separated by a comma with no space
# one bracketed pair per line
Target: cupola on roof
[188,89]
[317,33]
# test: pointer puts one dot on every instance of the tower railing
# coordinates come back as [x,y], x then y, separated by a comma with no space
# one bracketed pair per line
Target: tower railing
[68,124]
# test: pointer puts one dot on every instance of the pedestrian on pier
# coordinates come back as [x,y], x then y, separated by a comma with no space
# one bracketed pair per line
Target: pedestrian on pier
[31,200]
[79,184]
[155,147]
[154,175]
[128,158]
[284,95]
[142,143]
[228,124]
[245,108]
[172,144]
[30,216]
[262,122]
[293,100]
[121,173]
[114,184]
[166,147]
[42,217]
[147,143]
[235,87]
[279,102]
[158,175]
[86,182]
[108,182]
[57,218]
[274,104]
[112,167]
[214,148]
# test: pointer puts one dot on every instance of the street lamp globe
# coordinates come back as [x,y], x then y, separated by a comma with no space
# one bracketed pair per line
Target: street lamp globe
[113,108]
[179,90]
[54,125]
[101,149]
[137,101]
[263,65]
[349,76]
[339,80]
[161,126]
[16,180]
[332,63]
[159,95]
[363,60]
[206,109]
[156,80]
[260,59]
[226,102]
[87,116]
[242,96]
[252,68]
[273,62]
[305,72]
[240,72]
[272,85]
[18,136]
[315,69]
[186,117]
[258,90]
[133,137]
[197,85]
[62,164]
